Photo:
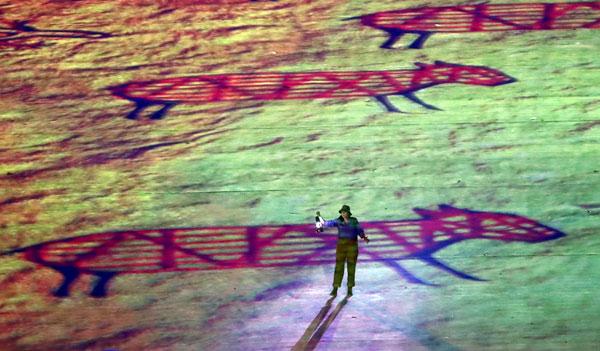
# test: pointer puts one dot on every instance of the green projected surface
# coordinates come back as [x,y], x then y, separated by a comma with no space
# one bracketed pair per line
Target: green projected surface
[125,116]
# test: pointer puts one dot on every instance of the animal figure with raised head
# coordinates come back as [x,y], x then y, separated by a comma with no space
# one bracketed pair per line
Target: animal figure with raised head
[201,89]
[425,21]
[215,248]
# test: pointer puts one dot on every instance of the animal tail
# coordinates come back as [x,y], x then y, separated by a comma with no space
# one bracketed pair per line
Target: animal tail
[118,90]
[351,18]
[13,251]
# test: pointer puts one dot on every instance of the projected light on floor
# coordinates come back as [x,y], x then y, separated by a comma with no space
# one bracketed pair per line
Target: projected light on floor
[484,17]
[262,86]
[215,248]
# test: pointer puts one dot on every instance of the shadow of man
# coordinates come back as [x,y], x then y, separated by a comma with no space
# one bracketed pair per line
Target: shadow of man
[319,326]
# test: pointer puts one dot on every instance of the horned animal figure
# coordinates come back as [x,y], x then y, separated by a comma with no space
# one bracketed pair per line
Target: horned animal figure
[214,248]
[168,92]
[484,17]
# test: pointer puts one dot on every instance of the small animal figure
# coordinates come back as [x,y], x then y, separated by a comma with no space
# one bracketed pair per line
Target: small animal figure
[19,33]
[215,248]
[425,21]
[200,89]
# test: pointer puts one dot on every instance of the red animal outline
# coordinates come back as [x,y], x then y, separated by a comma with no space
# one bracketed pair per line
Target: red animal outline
[261,86]
[483,17]
[214,248]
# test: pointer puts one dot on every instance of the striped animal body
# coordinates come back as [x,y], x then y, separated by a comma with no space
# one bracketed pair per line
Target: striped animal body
[303,85]
[425,21]
[216,248]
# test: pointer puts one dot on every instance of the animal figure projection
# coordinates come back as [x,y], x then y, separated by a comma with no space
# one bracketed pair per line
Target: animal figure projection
[215,248]
[303,85]
[19,34]
[483,17]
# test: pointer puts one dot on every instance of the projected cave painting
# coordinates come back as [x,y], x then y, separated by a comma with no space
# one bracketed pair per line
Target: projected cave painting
[304,85]
[23,35]
[150,57]
[215,248]
[484,17]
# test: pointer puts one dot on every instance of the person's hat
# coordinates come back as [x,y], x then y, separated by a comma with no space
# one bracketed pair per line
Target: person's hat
[345,208]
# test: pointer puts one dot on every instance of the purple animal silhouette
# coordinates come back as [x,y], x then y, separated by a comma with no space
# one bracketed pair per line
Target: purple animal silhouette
[214,248]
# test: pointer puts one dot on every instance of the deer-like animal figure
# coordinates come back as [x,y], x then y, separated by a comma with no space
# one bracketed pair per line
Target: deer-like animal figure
[483,17]
[214,248]
[200,89]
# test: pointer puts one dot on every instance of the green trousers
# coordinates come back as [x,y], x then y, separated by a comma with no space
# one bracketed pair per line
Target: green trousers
[346,251]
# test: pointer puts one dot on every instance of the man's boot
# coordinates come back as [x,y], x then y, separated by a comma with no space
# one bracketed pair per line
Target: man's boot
[349,291]
[333,292]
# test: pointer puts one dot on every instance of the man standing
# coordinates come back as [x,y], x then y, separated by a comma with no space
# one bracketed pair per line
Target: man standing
[346,250]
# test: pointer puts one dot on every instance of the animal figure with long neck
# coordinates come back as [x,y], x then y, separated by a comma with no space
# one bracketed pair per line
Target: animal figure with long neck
[201,89]
[425,21]
[216,248]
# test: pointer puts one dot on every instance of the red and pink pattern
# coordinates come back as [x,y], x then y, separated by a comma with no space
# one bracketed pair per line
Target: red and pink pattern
[482,18]
[263,86]
[235,247]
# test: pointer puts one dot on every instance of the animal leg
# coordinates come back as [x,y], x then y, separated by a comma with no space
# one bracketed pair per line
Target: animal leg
[101,284]
[406,274]
[434,262]
[140,105]
[412,97]
[161,113]
[70,274]
[383,99]
[418,43]
[395,34]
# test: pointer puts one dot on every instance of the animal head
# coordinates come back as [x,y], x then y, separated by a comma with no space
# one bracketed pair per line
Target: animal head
[444,72]
[462,223]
